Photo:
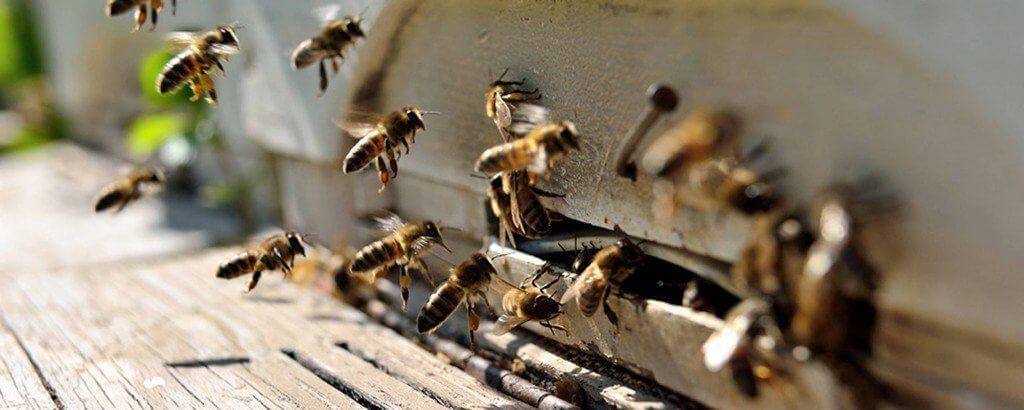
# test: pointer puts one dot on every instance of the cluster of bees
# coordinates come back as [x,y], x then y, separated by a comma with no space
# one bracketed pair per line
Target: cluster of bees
[804,283]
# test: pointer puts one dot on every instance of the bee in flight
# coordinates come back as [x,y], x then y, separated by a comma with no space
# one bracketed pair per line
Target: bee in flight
[502,99]
[329,44]
[523,304]
[467,281]
[517,206]
[401,248]
[142,7]
[274,253]
[203,54]
[379,137]
[540,145]
[602,274]
[129,188]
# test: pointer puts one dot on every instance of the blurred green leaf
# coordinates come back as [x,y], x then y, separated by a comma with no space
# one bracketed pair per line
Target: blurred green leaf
[27,139]
[226,193]
[148,132]
[20,55]
[150,68]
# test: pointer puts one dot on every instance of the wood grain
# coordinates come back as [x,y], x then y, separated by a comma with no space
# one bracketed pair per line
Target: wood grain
[20,385]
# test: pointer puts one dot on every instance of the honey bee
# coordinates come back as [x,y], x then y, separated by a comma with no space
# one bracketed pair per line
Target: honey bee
[696,138]
[381,137]
[129,188]
[153,7]
[605,272]
[274,253]
[731,346]
[467,281]
[203,54]
[772,261]
[501,101]
[517,206]
[329,44]
[536,152]
[522,304]
[714,184]
[835,280]
[400,248]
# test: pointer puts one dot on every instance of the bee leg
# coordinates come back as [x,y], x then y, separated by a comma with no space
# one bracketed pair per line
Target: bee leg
[392,159]
[323,78]
[549,284]
[210,91]
[473,323]
[255,279]
[385,176]
[612,317]
[552,327]
[336,64]
[154,14]
[487,303]
[140,17]
[197,89]
[404,280]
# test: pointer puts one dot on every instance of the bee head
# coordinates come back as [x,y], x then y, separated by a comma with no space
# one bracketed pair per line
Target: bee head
[630,251]
[430,230]
[353,28]
[583,259]
[295,243]
[415,117]
[154,176]
[543,307]
[227,35]
[568,136]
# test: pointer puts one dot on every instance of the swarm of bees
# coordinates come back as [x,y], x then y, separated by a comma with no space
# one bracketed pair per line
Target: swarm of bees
[804,283]
[128,189]
[329,44]
[153,7]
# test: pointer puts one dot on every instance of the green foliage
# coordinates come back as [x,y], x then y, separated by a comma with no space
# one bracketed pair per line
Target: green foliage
[150,68]
[20,55]
[148,132]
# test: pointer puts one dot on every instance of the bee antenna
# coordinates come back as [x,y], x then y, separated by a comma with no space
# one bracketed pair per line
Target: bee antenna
[502,76]
[501,256]
[475,175]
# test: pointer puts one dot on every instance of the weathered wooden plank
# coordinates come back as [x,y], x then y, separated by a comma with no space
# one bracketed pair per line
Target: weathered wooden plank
[20,385]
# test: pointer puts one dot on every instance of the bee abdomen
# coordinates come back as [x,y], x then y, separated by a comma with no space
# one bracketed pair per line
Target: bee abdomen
[441,304]
[175,72]
[237,266]
[535,217]
[363,153]
[375,255]
[110,198]
[115,7]
[501,158]
[590,299]
[307,53]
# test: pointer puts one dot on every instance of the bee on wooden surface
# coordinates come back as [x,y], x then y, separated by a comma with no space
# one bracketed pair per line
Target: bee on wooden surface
[715,184]
[837,282]
[203,54]
[467,281]
[379,137]
[153,7]
[274,253]
[523,304]
[400,248]
[129,188]
[329,44]
[731,347]
[536,152]
[606,271]
[502,99]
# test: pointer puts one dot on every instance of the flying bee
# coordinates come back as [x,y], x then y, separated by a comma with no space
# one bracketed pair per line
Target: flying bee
[203,54]
[467,281]
[523,304]
[274,253]
[129,188]
[329,44]
[380,137]
[605,272]
[153,7]
[517,206]
[696,138]
[536,151]
[502,99]
[400,248]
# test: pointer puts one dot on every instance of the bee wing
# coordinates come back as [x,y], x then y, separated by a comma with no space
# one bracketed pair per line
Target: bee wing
[180,40]
[501,285]
[539,164]
[306,53]
[573,291]
[223,50]
[328,13]
[502,112]
[359,123]
[506,323]
[389,222]
[527,117]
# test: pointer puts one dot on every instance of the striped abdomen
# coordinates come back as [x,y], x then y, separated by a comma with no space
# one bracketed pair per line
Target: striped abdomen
[364,152]
[375,255]
[441,304]
[115,7]
[241,264]
[532,213]
[593,291]
[506,157]
[176,72]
